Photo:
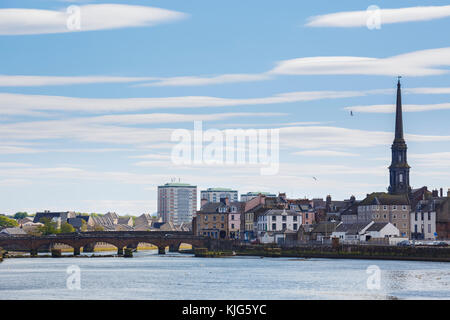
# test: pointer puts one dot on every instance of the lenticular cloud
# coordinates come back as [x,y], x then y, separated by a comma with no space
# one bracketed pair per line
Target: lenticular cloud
[82,18]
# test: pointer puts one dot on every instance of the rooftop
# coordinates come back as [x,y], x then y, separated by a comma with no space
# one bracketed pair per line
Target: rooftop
[219,189]
[176,184]
[383,198]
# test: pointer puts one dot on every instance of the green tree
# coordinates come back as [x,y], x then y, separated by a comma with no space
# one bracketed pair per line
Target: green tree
[99,228]
[7,222]
[20,215]
[67,228]
[83,226]
[49,227]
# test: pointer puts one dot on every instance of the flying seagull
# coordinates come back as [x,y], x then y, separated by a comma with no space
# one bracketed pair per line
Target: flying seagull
[315,178]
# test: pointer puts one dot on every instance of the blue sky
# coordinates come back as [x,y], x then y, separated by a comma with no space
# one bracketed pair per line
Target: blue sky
[59,152]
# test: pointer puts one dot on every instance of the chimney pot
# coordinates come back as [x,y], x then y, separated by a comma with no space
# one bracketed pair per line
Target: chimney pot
[441,192]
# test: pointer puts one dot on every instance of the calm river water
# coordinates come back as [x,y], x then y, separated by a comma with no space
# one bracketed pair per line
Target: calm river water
[181,276]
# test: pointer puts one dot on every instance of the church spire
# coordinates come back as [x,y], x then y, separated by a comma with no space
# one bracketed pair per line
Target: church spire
[399,169]
[398,115]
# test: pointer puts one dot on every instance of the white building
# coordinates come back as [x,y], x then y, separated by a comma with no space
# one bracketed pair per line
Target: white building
[423,220]
[276,220]
[177,202]
[351,231]
[365,231]
[380,230]
[215,194]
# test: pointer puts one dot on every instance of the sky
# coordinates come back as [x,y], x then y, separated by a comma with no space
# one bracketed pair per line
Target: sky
[92,91]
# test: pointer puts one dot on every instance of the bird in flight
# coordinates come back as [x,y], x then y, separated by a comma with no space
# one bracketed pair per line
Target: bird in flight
[315,178]
[351,113]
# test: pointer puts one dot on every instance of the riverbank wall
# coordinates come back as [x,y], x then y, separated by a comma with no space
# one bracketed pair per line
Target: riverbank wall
[438,254]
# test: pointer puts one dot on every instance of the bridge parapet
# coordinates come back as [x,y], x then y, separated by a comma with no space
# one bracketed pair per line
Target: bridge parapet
[120,239]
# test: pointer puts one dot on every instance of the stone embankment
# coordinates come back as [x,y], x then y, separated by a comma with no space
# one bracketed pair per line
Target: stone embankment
[438,254]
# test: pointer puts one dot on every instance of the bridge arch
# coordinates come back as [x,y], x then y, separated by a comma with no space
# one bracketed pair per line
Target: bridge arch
[89,244]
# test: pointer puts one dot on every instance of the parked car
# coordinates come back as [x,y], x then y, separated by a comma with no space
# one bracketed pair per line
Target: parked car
[404,243]
[440,243]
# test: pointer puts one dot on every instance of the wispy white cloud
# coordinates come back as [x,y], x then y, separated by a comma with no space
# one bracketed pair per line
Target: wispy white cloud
[432,159]
[202,81]
[417,63]
[91,17]
[389,108]
[349,19]
[325,153]
[22,103]
[34,81]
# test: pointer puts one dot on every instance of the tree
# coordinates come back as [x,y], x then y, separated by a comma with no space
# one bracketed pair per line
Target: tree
[99,228]
[83,226]
[7,222]
[48,227]
[67,228]
[20,215]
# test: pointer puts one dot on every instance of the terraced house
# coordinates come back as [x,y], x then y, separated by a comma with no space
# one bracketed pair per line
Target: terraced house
[219,220]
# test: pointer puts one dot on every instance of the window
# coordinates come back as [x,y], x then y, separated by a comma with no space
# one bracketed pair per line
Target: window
[222,218]
[232,226]
[295,218]
[214,218]
[421,216]
[415,216]
[295,226]
[384,208]
[384,216]
[206,218]
[274,218]
[429,215]
[394,216]
[274,226]
[284,218]
[394,207]
[222,226]
[306,216]
[232,217]
[284,226]
[404,208]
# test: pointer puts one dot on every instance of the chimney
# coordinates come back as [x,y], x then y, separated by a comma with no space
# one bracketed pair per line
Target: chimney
[441,193]
[435,193]
[262,198]
[203,202]
[225,201]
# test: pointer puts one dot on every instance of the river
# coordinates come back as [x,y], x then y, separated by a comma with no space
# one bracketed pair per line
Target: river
[182,276]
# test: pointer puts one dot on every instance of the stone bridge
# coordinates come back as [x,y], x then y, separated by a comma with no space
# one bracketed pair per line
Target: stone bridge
[119,239]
